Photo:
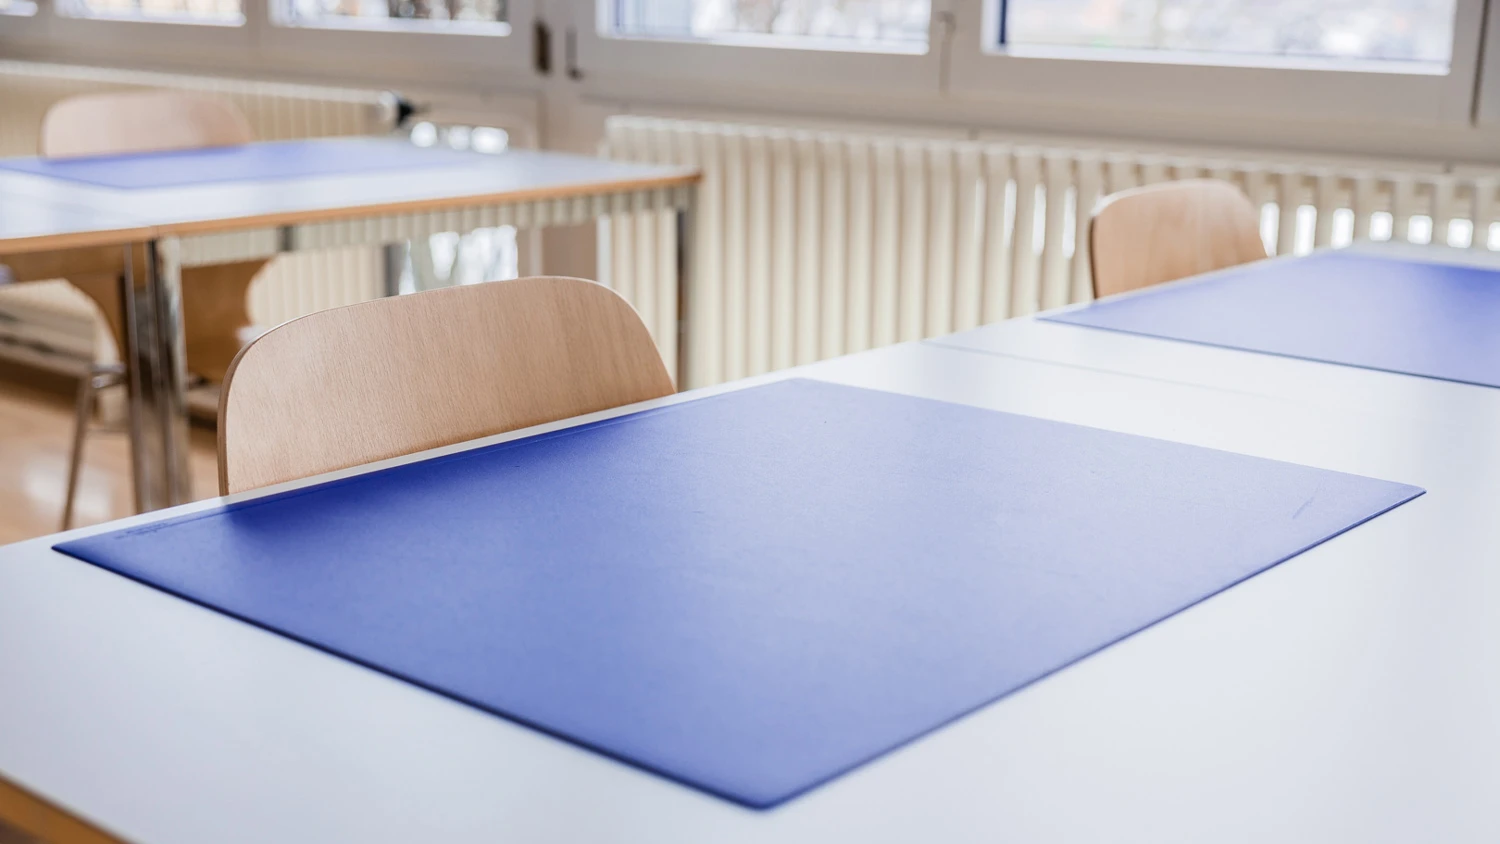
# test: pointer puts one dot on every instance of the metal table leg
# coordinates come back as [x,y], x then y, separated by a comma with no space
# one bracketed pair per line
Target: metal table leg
[686,227]
[158,375]
[393,261]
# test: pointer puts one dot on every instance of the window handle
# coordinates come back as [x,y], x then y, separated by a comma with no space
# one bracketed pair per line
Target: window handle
[570,53]
[541,47]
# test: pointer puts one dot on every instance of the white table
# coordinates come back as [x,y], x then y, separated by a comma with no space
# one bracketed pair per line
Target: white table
[51,227]
[1352,694]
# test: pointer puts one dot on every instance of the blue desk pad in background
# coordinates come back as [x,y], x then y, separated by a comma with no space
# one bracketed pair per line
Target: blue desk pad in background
[250,162]
[755,592]
[1434,320]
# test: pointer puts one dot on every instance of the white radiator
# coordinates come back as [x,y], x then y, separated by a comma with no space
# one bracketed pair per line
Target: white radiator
[292,285]
[811,244]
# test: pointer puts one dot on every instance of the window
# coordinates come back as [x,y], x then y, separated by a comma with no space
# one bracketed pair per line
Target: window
[1226,63]
[17,7]
[756,48]
[172,11]
[1419,32]
[460,15]
[884,25]
[448,259]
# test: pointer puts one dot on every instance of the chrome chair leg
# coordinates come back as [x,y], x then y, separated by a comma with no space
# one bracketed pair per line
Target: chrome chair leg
[99,376]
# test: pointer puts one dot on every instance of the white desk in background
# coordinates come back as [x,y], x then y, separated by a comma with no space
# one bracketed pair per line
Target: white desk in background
[1350,695]
[50,227]
[1234,369]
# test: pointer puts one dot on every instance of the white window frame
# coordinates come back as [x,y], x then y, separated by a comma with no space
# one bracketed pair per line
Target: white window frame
[18,30]
[1269,89]
[619,64]
[955,83]
[1487,100]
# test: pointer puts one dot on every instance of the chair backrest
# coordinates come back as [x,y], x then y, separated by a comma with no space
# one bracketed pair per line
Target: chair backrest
[394,376]
[1168,231]
[140,121]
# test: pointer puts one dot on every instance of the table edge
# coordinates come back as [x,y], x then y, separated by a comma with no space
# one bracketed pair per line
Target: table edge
[351,212]
[47,821]
[119,237]
[84,239]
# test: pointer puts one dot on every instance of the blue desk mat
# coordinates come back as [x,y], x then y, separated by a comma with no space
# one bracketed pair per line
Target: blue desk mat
[1433,320]
[250,162]
[755,592]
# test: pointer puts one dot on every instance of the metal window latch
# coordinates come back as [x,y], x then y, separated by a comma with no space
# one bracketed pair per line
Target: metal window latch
[395,110]
[542,47]
[570,51]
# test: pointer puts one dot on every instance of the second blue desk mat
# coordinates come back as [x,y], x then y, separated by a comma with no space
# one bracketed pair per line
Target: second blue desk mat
[1434,320]
[249,162]
[755,592]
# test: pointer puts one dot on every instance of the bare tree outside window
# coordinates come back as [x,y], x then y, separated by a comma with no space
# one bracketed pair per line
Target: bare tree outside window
[898,24]
[1418,31]
[199,11]
[393,12]
[1364,30]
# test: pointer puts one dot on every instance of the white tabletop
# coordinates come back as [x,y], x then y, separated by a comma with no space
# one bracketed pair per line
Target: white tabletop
[29,223]
[1262,374]
[1352,694]
[513,175]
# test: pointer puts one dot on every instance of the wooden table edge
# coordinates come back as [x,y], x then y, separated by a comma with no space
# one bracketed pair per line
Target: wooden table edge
[355,212]
[45,821]
[139,234]
[75,240]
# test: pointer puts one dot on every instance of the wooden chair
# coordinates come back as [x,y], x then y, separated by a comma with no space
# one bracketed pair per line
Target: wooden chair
[140,121]
[215,313]
[394,376]
[1164,232]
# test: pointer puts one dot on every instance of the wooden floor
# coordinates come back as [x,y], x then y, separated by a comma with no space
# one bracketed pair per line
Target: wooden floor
[36,428]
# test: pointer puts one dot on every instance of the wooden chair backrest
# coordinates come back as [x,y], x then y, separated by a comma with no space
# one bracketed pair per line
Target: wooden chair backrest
[215,310]
[367,382]
[1164,232]
[140,121]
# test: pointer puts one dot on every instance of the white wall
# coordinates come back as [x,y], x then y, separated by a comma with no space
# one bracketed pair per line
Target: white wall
[953,90]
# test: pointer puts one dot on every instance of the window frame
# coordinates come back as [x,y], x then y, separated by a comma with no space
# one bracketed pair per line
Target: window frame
[25,29]
[955,84]
[1487,98]
[1239,88]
